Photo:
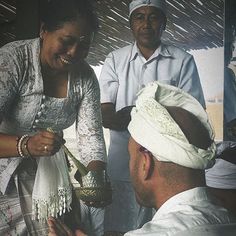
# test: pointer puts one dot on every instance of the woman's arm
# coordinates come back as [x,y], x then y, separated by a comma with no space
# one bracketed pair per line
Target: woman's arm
[8,145]
[44,143]
[89,132]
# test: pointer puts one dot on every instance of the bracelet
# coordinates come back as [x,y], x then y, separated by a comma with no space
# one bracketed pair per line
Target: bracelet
[22,141]
[24,146]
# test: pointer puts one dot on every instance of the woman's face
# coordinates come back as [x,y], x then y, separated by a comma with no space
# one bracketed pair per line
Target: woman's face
[66,46]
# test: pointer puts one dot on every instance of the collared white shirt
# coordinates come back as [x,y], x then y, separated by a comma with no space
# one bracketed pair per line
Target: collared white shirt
[125,72]
[185,211]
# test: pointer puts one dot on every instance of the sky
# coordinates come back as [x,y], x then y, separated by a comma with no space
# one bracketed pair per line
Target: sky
[210,64]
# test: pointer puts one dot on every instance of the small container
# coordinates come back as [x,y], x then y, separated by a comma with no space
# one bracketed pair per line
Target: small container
[95,187]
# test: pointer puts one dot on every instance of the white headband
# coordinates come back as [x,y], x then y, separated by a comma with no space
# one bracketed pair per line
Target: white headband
[152,126]
[161,4]
[222,175]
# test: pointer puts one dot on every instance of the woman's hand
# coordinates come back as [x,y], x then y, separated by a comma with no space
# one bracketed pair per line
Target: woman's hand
[44,143]
[94,166]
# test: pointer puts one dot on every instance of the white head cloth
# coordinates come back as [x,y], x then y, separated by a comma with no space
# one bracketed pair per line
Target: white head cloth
[152,126]
[52,192]
[222,175]
[161,4]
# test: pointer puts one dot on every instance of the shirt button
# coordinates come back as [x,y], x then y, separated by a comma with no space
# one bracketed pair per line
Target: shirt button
[44,97]
[42,106]
[34,126]
[39,113]
[36,121]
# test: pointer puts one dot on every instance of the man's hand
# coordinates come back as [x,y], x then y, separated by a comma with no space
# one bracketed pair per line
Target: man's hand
[115,120]
[57,228]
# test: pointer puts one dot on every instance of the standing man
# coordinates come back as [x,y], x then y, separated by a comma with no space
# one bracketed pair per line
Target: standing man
[124,73]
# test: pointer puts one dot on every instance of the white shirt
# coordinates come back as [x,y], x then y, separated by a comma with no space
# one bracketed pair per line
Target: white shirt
[125,72]
[184,213]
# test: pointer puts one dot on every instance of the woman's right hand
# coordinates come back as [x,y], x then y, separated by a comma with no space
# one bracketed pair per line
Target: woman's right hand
[44,143]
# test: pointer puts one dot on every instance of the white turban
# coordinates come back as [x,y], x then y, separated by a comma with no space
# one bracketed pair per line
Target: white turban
[222,175]
[153,127]
[161,4]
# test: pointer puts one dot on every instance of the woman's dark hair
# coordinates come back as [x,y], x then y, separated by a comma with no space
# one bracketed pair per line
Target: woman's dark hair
[54,13]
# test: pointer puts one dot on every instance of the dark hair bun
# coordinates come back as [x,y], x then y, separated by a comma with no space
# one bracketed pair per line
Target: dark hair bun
[55,13]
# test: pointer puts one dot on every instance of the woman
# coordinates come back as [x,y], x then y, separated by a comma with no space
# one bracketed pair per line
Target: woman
[45,83]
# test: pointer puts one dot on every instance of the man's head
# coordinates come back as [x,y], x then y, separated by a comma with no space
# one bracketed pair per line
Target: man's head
[221,178]
[147,22]
[171,144]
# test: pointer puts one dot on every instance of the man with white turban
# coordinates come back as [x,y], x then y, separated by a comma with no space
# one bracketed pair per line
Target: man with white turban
[124,73]
[221,178]
[171,145]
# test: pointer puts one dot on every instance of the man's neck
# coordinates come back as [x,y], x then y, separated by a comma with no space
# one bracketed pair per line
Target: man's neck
[147,52]
[165,195]
[171,179]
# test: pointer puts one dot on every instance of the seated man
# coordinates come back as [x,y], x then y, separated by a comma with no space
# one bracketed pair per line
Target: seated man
[170,147]
[171,144]
[221,178]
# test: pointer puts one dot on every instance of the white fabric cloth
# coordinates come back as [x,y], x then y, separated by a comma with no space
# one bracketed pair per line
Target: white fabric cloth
[185,211]
[222,175]
[161,4]
[125,72]
[153,127]
[52,192]
[210,230]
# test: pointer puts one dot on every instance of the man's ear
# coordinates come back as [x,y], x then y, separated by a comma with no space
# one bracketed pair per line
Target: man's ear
[42,30]
[147,165]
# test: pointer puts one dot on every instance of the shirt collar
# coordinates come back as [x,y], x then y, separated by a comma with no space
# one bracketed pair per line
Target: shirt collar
[161,50]
[186,197]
